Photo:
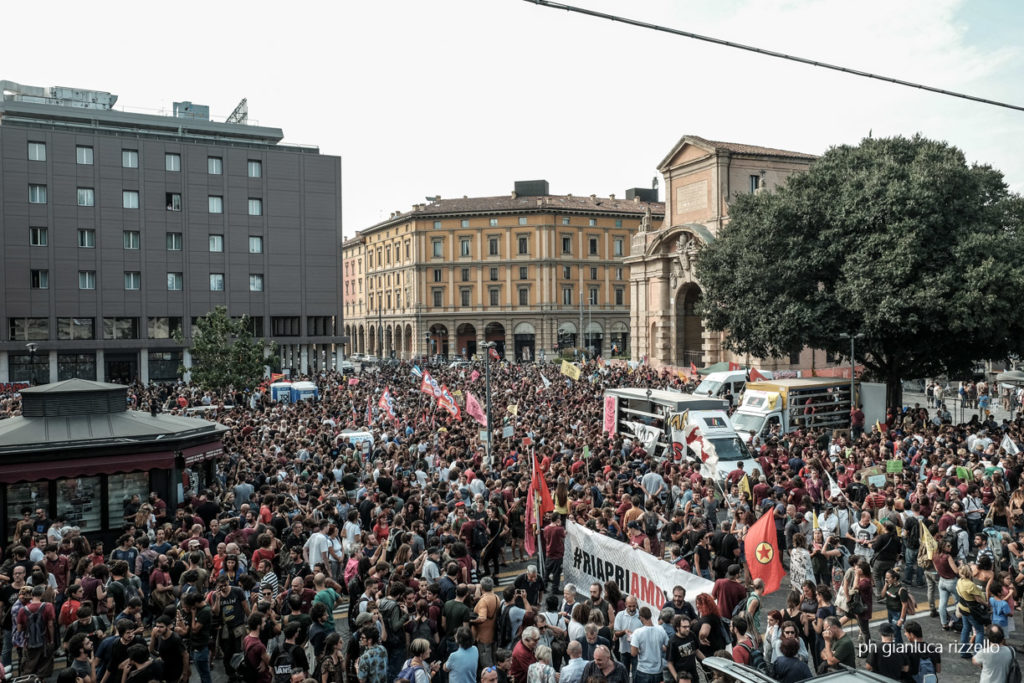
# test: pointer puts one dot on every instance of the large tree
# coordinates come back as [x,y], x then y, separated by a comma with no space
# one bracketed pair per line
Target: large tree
[224,352]
[898,240]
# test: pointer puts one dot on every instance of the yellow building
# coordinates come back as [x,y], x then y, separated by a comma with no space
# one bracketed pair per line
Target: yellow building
[533,272]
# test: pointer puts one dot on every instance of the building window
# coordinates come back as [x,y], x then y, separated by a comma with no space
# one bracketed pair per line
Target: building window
[493,294]
[755,184]
[438,247]
[593,273]
[76,328]
[217,243]
[438,295]
[285,326]
[255,244]
[216,282]
[83,155]
[174,282]
[523,272]
[162,328]
[255,206]
[618,273]
[619,296]
[494,274]
[617,244]
[130,199]
[524,246]
[464,223]
[214,165]
[407,250]
[320,325]
[172,162]
[464,247]
[437,225]
[173,200]
[593,246]
[618,222]
[369,259]
[794,356]
[465,274]
[37,237]
[255,168]
[255,282]
[216,204]
[37,194]
[493,222]
[29,329]
[87,238]
[40,279]
[37,151]
[522,220]
[129,158]
[567,296]
[87,279]
[464,296]
[566,244]
[566,272]
[120,328]
[132,279]
[593,296]
[565,220]
[524,296]
[131,239]
[86,196]
[592,222]
[437,274]
[174,241]
[492,246]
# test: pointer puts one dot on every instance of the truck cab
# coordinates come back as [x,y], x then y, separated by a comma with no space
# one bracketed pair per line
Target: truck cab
[716,384]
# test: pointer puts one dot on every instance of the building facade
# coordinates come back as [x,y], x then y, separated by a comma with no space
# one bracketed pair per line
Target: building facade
[701,176]
[119,229]
[533,272]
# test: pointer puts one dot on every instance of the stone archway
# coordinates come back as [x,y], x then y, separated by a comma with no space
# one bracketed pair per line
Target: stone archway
[495,332]
[399,342]
[465,340]
[371,340]
[438,340]
[689,337]
[361,340]
[408,341]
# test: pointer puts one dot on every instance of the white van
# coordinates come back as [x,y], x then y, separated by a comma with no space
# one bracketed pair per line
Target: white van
[716,383]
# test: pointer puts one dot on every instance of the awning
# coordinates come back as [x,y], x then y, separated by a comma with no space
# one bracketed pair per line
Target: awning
[85,467]
[202,452]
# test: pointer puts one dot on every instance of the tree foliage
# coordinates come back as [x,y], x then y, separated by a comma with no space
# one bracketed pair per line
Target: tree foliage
[897,239]
[224,352]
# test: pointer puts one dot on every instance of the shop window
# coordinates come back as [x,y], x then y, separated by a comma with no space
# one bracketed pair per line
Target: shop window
[121,488]
[78,500]
[76,366]
[30,496]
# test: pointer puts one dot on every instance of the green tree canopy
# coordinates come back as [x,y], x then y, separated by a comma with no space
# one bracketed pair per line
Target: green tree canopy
[224,352]
[897,239]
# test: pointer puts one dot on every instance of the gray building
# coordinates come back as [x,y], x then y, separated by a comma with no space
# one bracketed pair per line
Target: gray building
[119,228]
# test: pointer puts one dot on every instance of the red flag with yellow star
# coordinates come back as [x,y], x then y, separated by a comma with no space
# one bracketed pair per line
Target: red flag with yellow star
[761,547]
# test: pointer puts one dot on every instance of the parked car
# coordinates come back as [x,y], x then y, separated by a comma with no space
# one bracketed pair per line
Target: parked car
[457,364]
[346,366]
[741,673]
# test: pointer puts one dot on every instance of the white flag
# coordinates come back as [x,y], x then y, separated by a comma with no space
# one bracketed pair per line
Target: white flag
[1008,445]
[833,487]
[547,382]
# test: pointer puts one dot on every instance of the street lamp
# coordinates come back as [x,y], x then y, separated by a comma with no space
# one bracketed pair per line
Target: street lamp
[853,367]
[487,346]
[32,347]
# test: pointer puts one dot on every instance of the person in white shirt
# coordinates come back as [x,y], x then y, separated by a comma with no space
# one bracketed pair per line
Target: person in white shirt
[863,533]
[626,622]
[647,646]
[996,658]
[431,572]
[317,548]
[572,670]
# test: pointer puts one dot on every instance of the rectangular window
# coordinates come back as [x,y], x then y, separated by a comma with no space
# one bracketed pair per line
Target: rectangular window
[87,238]
[40,279]
[464,295]
[565,220]
[494,274]
[174,282]
[172,162]
[174,241]
[29,329]
[437,225]
[216,282]
[255,167]
[524,245]
[162,328]
[493,294]
[618,273]
[132,279]
[130,199]
[619,296]
[83,155]
[524,296]
[617,245]
[566,244]
[492,246]
[214,165]
[37,194]
[438,247]
[755,183]
[566,272]
[37,237]
[618,222]
[465,274]
[592,222]
[522,220]
[216,204]
[493,222]
[437,274]
[37,151]
[131,239]
[216,243]
[87,279]
[173,200]
[593,246]
[285,326]
[567,296]
[120,328]
[255,244]
[464,247]
[86,196]
[593,273]
[464,223]
[593,296]
[129,158]
[794,357]
[438,295]
[321,325]
[255,206]
[255,282]
[76,328]
[523,272]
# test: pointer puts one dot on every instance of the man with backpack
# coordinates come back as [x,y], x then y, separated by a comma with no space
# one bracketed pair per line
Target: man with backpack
[394,614]
[37,620]
[911,546]
[746,651]
[290,657]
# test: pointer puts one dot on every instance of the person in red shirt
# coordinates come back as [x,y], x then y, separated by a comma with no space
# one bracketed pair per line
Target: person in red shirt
[728,592]
[522,654]
[553,536]
[38,660]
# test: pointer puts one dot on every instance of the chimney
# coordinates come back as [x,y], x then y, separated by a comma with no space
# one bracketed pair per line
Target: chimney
[513,194]
[593,196]
[611,196]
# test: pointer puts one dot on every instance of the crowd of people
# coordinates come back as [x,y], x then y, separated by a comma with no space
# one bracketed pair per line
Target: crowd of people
[308,555]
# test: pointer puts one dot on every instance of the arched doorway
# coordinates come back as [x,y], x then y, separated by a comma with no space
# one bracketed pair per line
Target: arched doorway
[619,339]
[361,340]
[566,336]
[399,342]
[465,340]
[371,339]
[495,332]
[593,336]
[389,347]
[408,341]
[524,342]
[689,327]
[439,340]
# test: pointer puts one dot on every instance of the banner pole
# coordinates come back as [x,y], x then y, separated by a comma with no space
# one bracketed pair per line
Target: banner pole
[536,507]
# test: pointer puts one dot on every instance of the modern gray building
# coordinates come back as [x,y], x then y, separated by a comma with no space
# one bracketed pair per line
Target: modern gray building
[117,229]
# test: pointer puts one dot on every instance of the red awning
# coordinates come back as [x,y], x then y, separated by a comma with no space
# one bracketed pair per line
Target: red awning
[85,467]
[202,452]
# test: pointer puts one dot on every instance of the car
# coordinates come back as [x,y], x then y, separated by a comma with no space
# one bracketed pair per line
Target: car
[346,366]
[460,364]
[355,357]
[741,673]
[370,360]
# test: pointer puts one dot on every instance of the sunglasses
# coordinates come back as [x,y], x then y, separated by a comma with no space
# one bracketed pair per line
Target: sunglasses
[490,670]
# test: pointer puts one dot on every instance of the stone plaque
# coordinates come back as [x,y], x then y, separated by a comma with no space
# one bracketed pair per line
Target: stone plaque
[692,197]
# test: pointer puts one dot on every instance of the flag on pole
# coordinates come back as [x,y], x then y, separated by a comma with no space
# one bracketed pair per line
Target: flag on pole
[756,376]
[387,404]
[928,541]
[474,409]
[1008,445]
[369,413]
[570,370]
[547,382]
[493,353]
[513,408]
[693,370]
[586,451]
[833,487]
[353,381]
[416,372]
[733,366]
[473,376]
[881,427]
[538,504]
[761,547]
[814,520]
[745,486]
[275,376]
[447,401]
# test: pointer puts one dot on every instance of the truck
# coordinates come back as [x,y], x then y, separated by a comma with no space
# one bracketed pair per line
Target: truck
[656,417]
[785,405]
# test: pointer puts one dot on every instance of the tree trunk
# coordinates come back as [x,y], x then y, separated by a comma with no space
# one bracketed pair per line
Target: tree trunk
[893,392]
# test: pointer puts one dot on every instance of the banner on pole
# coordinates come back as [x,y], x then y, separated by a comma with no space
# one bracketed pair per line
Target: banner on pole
[591,557]
[611,409]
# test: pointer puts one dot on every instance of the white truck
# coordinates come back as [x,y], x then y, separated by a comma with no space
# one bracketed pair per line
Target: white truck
[718,383]
[785,405]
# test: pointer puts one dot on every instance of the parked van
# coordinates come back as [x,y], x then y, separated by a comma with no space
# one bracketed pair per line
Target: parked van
[718,383]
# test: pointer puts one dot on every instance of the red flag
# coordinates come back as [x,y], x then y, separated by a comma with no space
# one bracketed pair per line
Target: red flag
[473,376]
[733,366]
[387,404]
[369,413]
[756,376]
[353,381]
[474,409]
[693,370]
[538,504]
[493,353]
[762,553]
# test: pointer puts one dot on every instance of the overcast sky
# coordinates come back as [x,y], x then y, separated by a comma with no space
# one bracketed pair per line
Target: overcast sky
[463,97]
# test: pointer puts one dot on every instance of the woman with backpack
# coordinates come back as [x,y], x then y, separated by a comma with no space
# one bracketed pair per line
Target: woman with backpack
[330,668]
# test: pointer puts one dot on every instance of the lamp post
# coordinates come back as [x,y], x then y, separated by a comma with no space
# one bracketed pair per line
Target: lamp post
[853,367]
[487,346]
[32,347]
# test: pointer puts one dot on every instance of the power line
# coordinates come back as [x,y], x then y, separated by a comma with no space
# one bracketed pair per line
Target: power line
[771,53]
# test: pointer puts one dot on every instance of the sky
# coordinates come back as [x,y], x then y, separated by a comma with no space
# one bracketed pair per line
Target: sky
[464,97]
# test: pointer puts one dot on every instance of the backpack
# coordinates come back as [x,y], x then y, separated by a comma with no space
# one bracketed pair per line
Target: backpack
[911,603]
[503,634]
[281,664]
[1013,675]
[757,660]
[130,590]
[479,536]
[912,536]
[651,525]
[740,608]
[392,614]
[36,627]
[409,673]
